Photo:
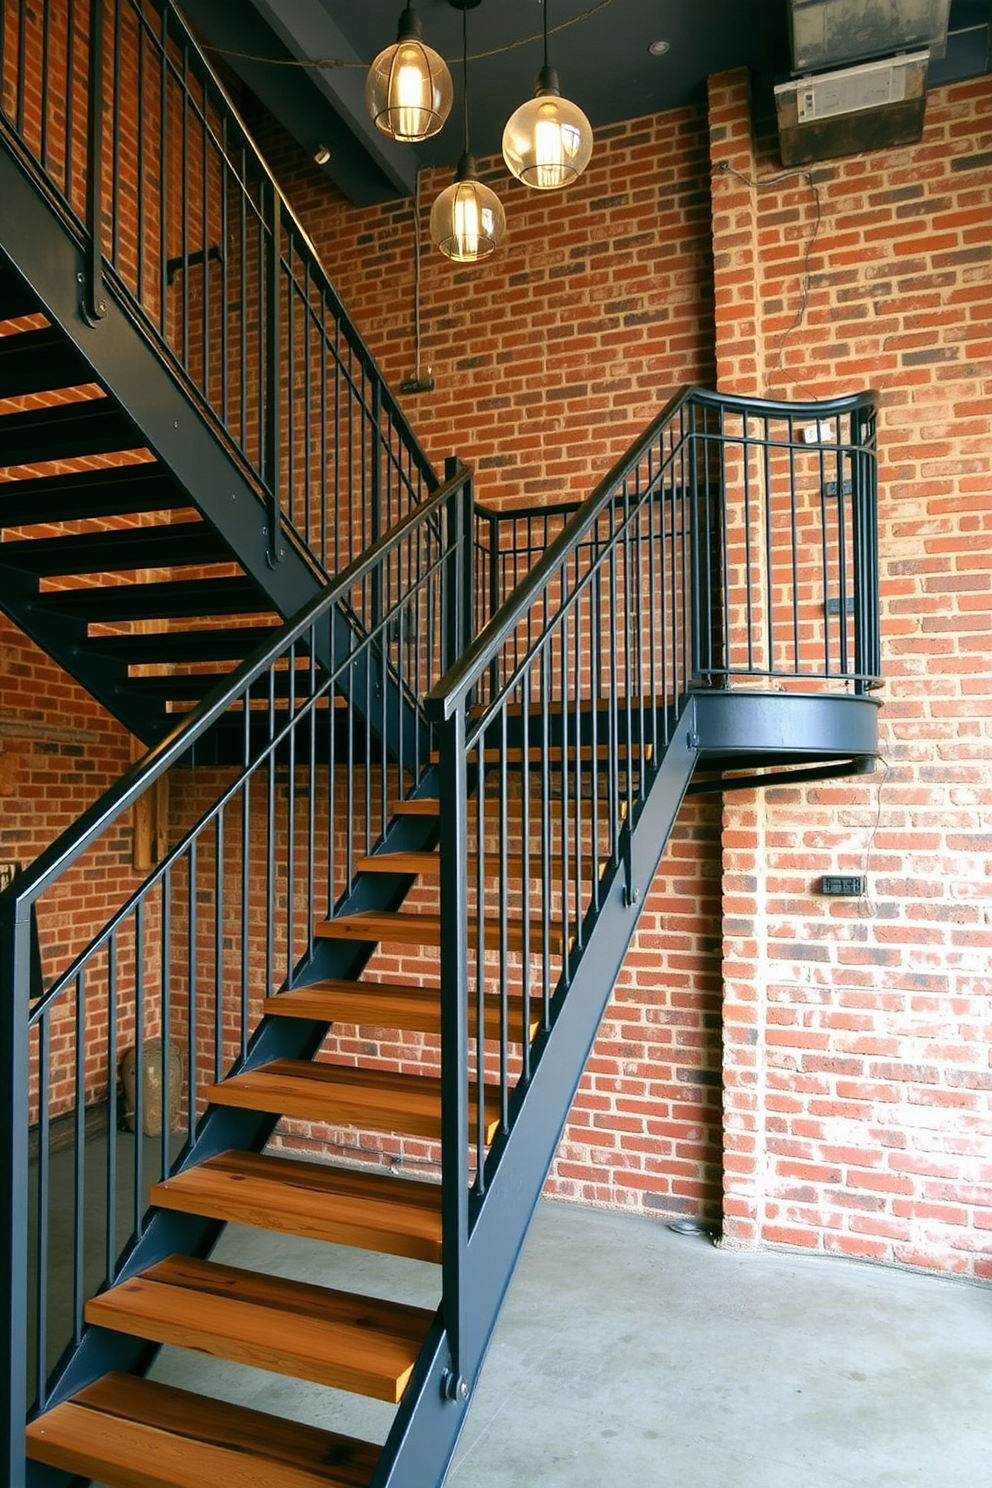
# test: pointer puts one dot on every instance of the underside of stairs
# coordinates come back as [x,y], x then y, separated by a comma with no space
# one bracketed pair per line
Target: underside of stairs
[126,1431]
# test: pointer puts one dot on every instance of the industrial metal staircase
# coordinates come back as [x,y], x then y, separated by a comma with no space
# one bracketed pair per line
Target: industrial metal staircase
[392,721]
[565,735]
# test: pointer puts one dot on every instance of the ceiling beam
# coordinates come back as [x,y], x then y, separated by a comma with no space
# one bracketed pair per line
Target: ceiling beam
[308,31]
[316,106]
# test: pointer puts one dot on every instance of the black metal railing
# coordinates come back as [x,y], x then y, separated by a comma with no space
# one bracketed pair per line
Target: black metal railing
[145,155]
[730,544]
[308,736]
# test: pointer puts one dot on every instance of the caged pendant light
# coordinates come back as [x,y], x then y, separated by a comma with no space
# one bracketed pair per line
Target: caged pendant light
[408,89]
[547,142]
[467,219]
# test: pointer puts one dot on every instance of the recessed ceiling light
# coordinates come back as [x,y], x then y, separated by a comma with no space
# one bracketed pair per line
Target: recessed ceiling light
[659,48]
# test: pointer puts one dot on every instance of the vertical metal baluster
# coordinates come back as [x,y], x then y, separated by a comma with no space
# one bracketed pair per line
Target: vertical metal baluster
[192,963]
[165,209]
[525,910]
[44,1185]
[243,319]
[480,947]
[769,551]
[597,643]
[79,1160]
[72,50]
[312,793]
[166,963]
[140,145]
[46,64]
[793,550]
[349,692]
[290,430]
[291,813]
[184,205]
[613,720]
[205,229]
[332,803]
[842,559]
[219,1070]
[22,52]
[270,844]
[116,94]
[95,306]
[503,828]
[307,415]
[566,840]
[244,868]
[138,1171]
[110,1232]
[225,290]
[325,483]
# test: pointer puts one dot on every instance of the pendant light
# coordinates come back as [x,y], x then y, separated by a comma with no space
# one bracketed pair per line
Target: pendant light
[408,89]
[547,143]
[467,219]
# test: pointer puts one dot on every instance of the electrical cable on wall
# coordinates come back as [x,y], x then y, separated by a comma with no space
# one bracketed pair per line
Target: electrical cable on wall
[758,183]
[865,905]
[417,383]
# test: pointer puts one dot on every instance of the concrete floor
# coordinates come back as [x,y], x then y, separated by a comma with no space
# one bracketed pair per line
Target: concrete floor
[632,1357]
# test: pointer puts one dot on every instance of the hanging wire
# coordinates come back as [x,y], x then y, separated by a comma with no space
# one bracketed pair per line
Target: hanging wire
[329,63]
[465,71]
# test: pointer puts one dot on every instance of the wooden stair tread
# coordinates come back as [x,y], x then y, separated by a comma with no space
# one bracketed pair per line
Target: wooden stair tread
[416,863]
[428,864]
[425,930]
[374,1210]
[385,1005]
[363,1344]
[136,1433]
[421,806]
[344,1095]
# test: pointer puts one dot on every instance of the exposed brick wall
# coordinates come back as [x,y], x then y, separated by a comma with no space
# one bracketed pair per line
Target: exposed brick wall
[549,358]
[857,1063]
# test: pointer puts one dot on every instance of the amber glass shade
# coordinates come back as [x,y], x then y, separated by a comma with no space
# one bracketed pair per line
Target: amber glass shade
[467,219]
[547,142]
[408,89]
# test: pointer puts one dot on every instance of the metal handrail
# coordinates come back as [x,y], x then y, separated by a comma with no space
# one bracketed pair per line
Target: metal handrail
[186,956]
[581,517]
[121,796]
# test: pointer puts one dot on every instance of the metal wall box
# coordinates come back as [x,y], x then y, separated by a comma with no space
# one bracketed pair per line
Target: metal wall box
[872,107]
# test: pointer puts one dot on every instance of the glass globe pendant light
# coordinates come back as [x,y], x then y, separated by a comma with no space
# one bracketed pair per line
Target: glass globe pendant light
[547,142]
[408,89]
[467,219]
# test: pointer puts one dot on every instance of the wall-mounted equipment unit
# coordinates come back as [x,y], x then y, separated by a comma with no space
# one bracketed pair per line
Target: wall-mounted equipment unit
[871,107]
[830,33]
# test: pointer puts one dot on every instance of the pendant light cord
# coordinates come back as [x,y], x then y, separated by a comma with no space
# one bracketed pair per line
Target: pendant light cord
[545,9]
[465,70]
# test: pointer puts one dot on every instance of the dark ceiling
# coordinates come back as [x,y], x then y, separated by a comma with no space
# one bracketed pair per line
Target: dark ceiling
[599,47]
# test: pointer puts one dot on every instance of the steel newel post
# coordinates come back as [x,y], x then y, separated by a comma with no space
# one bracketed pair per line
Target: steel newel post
[15,962]
[467,566]
[454,1041]
[458,565]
